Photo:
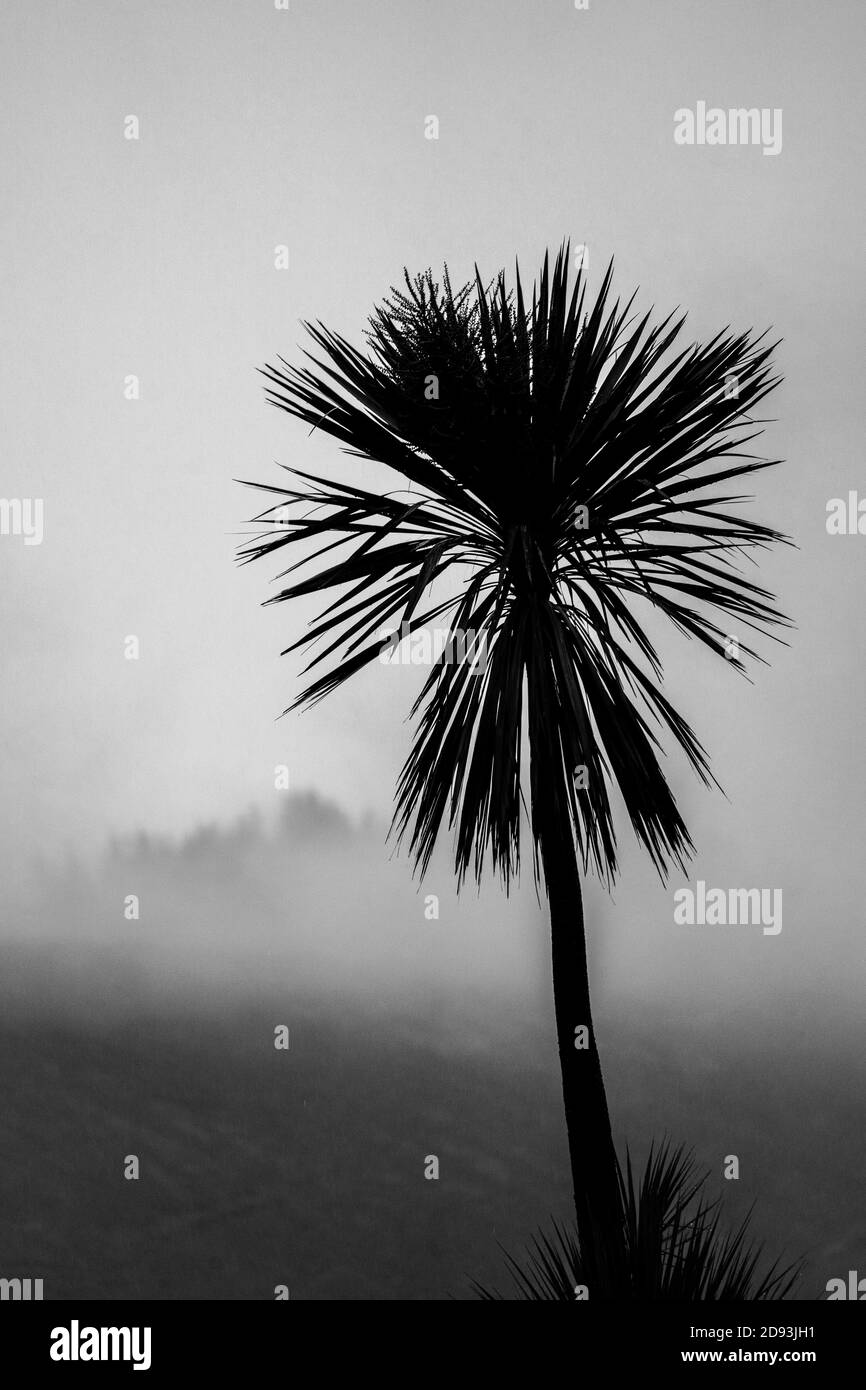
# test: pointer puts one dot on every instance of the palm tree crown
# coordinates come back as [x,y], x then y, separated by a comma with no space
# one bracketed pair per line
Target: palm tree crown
[568,463]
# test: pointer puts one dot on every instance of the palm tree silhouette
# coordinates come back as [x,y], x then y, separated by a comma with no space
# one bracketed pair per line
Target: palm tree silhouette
[566,465]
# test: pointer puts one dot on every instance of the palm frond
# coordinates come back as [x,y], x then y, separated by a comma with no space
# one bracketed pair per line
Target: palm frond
[668,1244]
[571,466]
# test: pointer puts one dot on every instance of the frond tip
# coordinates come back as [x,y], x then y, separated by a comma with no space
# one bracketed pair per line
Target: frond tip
[569,467]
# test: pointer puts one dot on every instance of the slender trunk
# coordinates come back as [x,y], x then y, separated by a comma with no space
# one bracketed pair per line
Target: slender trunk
[590,1142]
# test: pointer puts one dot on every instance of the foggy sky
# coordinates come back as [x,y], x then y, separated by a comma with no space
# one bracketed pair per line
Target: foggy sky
[156,257]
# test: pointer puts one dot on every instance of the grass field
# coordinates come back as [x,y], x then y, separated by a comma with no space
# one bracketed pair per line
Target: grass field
[306,1168]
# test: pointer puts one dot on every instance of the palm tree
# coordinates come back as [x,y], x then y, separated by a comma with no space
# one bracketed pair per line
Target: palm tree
[566,465]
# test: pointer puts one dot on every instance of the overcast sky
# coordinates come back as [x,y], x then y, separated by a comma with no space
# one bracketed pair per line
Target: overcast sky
[155,257]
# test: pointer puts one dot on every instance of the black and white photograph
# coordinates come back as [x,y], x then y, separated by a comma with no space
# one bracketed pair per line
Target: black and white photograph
[432,538]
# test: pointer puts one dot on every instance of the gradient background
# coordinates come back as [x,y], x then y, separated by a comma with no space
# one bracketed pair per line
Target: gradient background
[156,777]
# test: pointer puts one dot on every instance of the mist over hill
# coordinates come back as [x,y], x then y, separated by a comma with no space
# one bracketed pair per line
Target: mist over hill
[410,1035]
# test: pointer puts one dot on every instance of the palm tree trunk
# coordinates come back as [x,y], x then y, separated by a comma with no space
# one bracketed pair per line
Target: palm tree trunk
[590,1141]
